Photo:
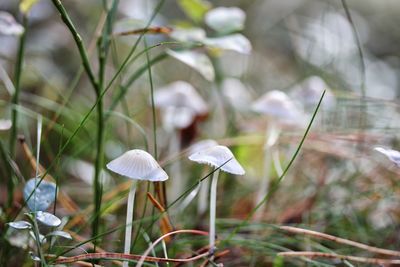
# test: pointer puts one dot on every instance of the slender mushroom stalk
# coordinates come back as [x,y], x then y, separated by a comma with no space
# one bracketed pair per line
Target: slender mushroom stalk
[213,205]
[139,165]
[279,109]
[129,219]
[221,158]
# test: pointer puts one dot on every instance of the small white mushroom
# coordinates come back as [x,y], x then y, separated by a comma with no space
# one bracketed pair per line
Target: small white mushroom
[218,156]
[8,25]
[221,158]
[180,94]
[277,105]
[139,165]
[202,145]
[309,92]
[225,19]
[279,109]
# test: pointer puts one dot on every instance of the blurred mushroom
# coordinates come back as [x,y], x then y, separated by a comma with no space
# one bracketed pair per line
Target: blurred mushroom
[139,165]
[221,158]
[8,25]
[279,109]
[181,106]
[309,92]
[225,19]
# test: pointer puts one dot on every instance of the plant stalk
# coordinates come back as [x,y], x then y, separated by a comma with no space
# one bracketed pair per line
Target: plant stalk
[129,219]
[213,204]
[103,48]
[78,40]
[14,103]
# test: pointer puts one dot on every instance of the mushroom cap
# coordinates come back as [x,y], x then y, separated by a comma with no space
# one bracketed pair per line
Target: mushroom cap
[392,155]
[180,94]
[177,117]
[8,25]
[237,93]
[310,90]
[138,164]
[225,19]
[217,156]
[201,145]
[277,104]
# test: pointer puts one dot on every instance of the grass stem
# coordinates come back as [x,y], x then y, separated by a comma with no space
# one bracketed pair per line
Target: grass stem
[14,104]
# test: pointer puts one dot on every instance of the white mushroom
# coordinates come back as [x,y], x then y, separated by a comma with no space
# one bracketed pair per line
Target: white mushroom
[8,25]
[218,156]
[277,105]
[225,19]
[309,92]
[221,158]
[139,165]
[279,109]
[180,94]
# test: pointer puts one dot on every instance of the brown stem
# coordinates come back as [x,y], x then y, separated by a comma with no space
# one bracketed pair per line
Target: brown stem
[311,254]
[296,230]
[121,256]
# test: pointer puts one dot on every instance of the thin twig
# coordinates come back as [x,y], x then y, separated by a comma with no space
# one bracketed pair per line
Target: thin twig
[312,254]
[340,240]
[14,112]
[197,232]
[122,256]
[78,40]
[79,238]
[152,30]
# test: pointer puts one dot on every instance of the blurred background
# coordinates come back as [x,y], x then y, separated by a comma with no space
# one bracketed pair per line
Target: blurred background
[338,183]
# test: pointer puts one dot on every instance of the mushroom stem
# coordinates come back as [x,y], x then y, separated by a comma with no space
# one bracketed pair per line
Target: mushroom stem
[129,219]
[203,196]
[277,161]
[271,137]
[213,204]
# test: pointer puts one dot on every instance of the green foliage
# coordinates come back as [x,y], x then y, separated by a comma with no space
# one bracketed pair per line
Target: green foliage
[26,5]
[195,9]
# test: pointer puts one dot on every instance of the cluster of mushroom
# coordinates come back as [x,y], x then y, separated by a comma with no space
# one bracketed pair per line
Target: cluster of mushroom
[140,165]
[181,107]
